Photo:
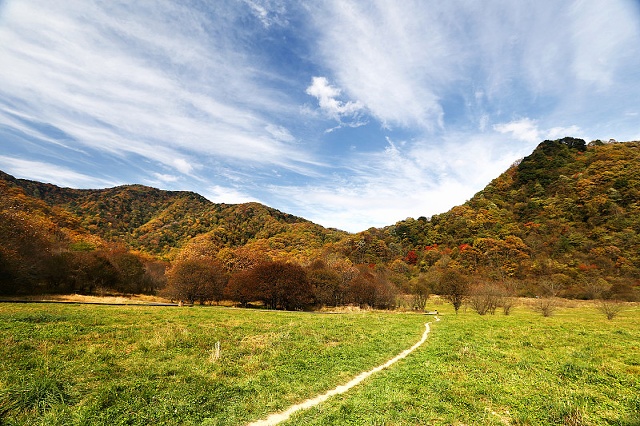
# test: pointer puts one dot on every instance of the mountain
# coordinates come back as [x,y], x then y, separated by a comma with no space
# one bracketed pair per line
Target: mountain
[566,217]
[48,232]
[158,222]
[568,214]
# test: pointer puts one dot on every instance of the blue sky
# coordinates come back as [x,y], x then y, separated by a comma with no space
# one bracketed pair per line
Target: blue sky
[351,114]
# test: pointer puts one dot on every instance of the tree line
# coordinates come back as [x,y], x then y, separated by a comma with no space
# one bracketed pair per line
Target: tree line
[278,284]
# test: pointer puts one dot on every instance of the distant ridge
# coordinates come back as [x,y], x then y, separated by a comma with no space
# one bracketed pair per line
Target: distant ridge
[157,221]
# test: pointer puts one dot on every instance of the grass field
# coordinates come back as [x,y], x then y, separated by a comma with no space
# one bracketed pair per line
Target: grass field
[574,368]
[93,365]
[87,364]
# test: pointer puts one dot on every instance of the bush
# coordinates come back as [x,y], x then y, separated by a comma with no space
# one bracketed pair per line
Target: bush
[546,306]
[609,307]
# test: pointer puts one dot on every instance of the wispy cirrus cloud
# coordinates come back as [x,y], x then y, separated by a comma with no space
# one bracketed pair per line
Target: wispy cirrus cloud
[47,172]
[373,51]
[169,90]
[269,12]
[415,63]
[403,180]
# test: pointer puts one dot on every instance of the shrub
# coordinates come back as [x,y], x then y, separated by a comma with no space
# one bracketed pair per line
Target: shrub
[609,307]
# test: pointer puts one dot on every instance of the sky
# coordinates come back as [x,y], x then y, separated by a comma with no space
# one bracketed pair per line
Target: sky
[352,114]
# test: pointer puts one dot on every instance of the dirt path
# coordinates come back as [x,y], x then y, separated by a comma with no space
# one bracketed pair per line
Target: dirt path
[276,418]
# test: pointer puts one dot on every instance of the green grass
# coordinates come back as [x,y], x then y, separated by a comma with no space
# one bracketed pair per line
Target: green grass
[106,365]
[574,368]
[93,365]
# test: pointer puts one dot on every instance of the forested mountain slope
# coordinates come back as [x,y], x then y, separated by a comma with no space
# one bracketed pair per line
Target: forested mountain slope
[62,239]
[157,222]
[568,213]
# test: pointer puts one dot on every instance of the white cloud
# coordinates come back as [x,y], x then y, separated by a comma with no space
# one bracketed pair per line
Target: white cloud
[221,194]
[406,60]
[183,166]
[139,83]
[166,178]
[51,173]
[387,55]
[346,113]
[406,179]
[561,132]
[280,133]
[523,129]
[596,26]
[269,12]
[527,130]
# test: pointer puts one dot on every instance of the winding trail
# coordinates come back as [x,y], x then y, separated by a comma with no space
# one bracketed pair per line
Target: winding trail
[276,418]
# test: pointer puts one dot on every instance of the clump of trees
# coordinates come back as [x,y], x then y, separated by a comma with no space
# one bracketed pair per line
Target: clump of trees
[81,268]
[278,284]
[196,279]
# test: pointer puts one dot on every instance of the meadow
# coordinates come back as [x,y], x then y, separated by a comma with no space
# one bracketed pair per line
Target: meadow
[96,365]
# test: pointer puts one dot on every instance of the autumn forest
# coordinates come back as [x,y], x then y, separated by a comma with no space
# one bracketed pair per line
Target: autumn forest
[562,222]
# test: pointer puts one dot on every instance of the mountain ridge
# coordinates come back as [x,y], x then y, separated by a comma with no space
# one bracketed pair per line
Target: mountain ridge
[134,212]
[567,214]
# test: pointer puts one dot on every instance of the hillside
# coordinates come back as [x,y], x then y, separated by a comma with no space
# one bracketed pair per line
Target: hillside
[62,239]
[159,222]
[568,214]
[565,219]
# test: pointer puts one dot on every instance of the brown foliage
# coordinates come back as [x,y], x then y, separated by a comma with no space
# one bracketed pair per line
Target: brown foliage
[454,286]
[199,279]
[372,288]
[279,285]
[242,287]
[329,288]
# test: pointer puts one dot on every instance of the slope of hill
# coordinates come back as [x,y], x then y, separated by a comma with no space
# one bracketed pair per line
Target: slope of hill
[157,222]
[568,214]
[62,239]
